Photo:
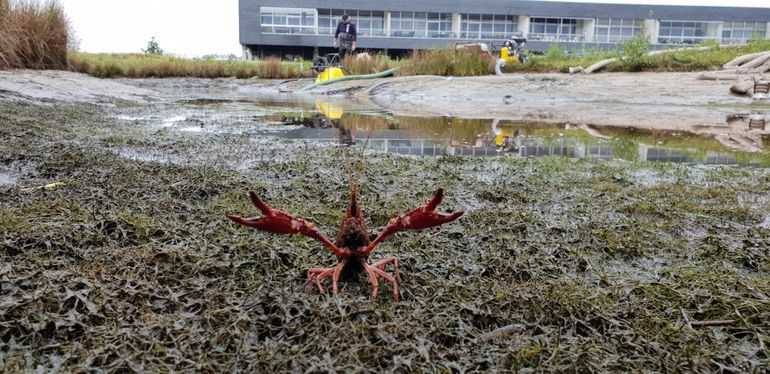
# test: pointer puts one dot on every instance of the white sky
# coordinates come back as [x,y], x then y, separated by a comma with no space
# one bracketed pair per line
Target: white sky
[198,27]
[187,27]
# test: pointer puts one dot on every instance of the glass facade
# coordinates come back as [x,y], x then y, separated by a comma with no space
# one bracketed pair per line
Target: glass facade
[408,24]
[374,23]
[615,30]
[687,32]
[440,25]
[288,20]
[421,25]
[368,23]
[742,32]
[556,29]
[488,26]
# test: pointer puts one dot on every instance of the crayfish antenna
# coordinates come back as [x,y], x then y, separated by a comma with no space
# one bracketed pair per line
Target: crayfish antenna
[359,170]
[355,175]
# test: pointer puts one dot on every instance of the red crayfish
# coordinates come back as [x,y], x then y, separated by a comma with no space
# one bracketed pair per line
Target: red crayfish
[352,246]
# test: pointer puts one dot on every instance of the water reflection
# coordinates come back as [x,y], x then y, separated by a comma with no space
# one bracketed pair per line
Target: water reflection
[420,136]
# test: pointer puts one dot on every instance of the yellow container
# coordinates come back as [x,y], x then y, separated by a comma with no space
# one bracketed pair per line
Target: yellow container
[502,135]
[330,73]
[329,111]
[505,57]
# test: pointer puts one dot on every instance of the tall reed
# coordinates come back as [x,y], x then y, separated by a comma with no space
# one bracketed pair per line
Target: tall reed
[447,62]
[33,34]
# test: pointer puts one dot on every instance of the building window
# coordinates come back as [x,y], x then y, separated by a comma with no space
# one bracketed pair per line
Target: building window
[287,20]
[556,29]
[371,23]
[742,32]
[327,20]
[683,32]
[420,25]
[488,26]
[368,23]
[616,30]
[408,24]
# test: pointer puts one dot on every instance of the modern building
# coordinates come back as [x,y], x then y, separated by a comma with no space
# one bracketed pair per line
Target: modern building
[302,28]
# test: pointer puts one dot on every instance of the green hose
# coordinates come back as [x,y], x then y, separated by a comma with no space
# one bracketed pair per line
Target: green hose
[382,74]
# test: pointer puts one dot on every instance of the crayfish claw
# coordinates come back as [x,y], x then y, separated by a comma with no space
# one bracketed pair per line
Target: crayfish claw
[261,205]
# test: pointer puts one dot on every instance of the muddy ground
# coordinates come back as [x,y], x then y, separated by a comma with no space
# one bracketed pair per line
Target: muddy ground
[644,100]
[125,262]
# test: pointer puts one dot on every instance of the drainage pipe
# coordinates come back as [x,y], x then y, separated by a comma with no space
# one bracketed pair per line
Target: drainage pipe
[382,74]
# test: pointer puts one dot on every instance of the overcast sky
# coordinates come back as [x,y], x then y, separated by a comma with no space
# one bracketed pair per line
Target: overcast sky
[198,27]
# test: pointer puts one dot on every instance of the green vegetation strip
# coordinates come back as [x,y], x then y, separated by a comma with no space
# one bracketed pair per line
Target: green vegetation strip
[443,62]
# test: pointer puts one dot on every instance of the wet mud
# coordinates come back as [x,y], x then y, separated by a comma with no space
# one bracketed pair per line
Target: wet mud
[117,255]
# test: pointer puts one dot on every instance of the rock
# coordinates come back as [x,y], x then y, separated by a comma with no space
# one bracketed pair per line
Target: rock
[742,88]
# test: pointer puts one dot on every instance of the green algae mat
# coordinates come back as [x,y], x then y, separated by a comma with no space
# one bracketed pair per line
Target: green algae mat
[117,257]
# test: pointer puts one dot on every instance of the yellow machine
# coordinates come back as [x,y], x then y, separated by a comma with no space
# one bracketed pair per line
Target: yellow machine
[508,56]
[506,138]
[513,50]
[330,73]
[330,112]
[328,67]
[503,136]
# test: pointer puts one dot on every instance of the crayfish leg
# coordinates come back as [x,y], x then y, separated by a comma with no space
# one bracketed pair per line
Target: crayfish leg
[319,274]
[373,272]
[381,265]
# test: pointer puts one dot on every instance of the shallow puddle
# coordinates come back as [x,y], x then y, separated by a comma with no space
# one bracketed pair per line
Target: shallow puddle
[437,136]
[8,179]
[345,121]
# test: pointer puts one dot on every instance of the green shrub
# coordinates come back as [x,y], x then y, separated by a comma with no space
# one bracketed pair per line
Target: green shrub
[758,45]
[635,52]
[713,44]
[555,52]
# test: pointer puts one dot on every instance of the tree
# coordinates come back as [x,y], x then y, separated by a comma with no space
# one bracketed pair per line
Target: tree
[153,48]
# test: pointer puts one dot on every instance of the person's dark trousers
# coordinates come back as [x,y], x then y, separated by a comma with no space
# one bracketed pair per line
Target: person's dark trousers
[345,51]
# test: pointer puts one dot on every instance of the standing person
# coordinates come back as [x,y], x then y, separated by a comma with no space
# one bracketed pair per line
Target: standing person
[345,37]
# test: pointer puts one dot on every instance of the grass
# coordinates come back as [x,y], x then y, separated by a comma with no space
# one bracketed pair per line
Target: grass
[35,35]
[131,266]
[442,62]
[446,62]
[681,61]
[711,59]
[367,65]
[162,66]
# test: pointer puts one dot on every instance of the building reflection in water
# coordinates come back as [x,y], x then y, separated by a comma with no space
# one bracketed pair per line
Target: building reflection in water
[463,137]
